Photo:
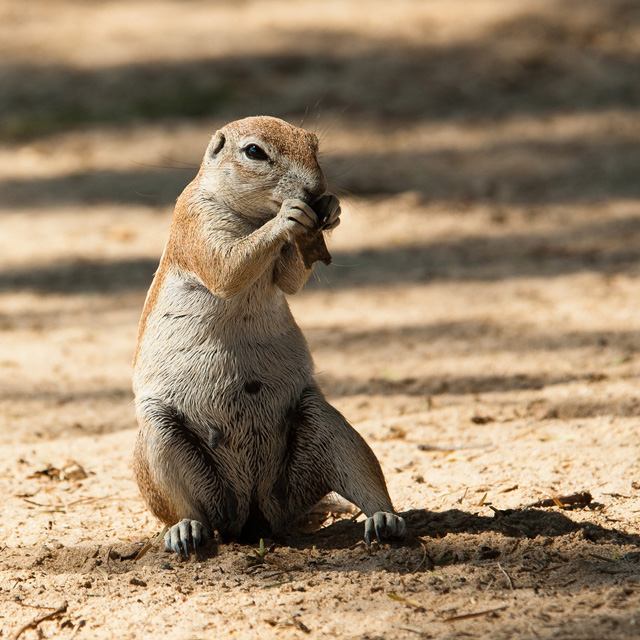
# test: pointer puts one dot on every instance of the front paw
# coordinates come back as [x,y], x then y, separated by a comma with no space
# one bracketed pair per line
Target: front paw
[327,208]
[383,524]
[184,534]
[297,219]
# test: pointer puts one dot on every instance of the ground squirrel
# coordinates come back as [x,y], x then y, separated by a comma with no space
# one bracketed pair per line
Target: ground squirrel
[235,436]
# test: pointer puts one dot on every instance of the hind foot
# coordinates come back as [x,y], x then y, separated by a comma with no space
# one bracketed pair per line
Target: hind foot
[183,533]
[383,524]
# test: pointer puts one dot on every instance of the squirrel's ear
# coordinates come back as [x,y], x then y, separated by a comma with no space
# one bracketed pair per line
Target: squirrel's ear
[216,144]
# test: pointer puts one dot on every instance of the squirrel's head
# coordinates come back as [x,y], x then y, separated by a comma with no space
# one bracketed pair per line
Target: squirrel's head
[252,165]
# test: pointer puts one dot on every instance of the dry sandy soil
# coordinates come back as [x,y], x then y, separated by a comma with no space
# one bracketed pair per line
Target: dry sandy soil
[479,326]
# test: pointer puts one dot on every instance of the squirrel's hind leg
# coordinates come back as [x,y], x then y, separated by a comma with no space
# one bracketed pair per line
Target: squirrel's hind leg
[177,477]
[327,454]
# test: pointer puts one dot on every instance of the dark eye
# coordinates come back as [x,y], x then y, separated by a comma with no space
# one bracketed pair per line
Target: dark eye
[254,152]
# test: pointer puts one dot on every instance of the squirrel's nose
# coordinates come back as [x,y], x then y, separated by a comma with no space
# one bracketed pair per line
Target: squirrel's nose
[313,195]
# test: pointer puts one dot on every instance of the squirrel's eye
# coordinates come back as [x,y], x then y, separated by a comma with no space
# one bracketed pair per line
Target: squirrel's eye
[254,152]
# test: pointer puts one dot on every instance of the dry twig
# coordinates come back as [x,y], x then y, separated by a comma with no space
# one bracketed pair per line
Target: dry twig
[408,601]
[581,499]
[36,621]
[467,616]
[151,543]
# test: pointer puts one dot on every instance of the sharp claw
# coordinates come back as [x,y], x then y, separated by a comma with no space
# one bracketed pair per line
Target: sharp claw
[380,521]
[368,531]
[175,541]
[183,531]
[196,534]
[186,532]
[384,525]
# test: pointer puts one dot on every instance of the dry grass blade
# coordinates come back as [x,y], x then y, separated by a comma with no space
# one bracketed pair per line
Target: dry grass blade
[477,614]
[411,603]
[425,555]
[463,496]
[277,584]
[151,543]
[436,575]
[421,632]
[36,621]
[31,606]
[507,576]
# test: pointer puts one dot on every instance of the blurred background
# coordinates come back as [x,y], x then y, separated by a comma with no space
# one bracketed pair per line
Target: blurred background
[472,142]
[476,141]
[512,105]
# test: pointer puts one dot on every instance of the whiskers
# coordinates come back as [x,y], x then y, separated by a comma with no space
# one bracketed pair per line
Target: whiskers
[319,277]
[172,164]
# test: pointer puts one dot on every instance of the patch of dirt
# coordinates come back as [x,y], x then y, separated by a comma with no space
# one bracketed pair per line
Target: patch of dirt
[479,326]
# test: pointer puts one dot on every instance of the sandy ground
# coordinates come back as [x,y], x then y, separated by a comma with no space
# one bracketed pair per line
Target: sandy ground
[479,326]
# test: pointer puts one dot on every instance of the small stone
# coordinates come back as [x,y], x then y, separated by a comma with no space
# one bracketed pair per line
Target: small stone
[137,582]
